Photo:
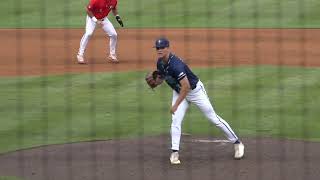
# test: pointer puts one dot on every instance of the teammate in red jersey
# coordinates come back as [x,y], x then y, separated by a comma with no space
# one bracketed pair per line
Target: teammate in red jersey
[97,12]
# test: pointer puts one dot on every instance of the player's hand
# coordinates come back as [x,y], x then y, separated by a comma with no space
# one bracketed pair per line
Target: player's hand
[173,109]
[118,18]
[94,19]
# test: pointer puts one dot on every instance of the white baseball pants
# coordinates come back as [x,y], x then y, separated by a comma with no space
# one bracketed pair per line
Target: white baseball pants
[197,96]
[107,27]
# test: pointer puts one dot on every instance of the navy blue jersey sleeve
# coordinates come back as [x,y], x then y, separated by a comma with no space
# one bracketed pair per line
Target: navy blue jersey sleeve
[179,71]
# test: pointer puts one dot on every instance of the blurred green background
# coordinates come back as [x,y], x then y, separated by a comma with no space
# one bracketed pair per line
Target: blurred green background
[167,13]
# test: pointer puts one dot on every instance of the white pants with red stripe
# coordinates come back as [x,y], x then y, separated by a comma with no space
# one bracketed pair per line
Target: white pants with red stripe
[107,27]
[197,96]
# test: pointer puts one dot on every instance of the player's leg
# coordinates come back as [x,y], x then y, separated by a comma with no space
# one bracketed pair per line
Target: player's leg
[199,97]
[90,26]
[110,30]
[177,119]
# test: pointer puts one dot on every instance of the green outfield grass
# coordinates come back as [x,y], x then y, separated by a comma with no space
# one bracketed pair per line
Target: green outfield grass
[266,101]
[10,178]
[167,13]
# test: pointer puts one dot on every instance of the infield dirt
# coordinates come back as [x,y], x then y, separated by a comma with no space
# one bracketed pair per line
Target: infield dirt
[53,51]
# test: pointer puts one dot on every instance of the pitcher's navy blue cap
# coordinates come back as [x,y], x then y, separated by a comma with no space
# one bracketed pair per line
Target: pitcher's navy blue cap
[161,43]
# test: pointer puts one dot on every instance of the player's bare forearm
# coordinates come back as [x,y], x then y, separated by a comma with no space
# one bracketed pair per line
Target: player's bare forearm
[115,11]
[118,18]
[185,88]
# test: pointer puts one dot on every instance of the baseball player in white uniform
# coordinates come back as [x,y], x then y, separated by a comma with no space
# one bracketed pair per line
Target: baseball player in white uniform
[97,12]
[187,88]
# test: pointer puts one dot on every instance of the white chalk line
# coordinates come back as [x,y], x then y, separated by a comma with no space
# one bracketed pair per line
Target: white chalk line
[210,141]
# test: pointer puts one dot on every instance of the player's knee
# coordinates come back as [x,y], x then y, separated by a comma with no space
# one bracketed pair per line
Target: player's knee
[175,124]
[175,128]
[89,34]
[213,117]
[113,35]
[216,122]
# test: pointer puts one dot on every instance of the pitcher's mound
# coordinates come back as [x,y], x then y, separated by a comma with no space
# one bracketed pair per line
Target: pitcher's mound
[148,158]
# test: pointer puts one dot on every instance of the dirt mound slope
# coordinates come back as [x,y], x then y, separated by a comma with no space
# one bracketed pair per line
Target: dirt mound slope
[148,158]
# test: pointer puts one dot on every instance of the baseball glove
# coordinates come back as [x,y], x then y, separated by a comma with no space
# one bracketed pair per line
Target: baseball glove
[153,79]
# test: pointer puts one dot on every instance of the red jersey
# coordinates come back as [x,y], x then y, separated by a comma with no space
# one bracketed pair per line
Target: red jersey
[101,8]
